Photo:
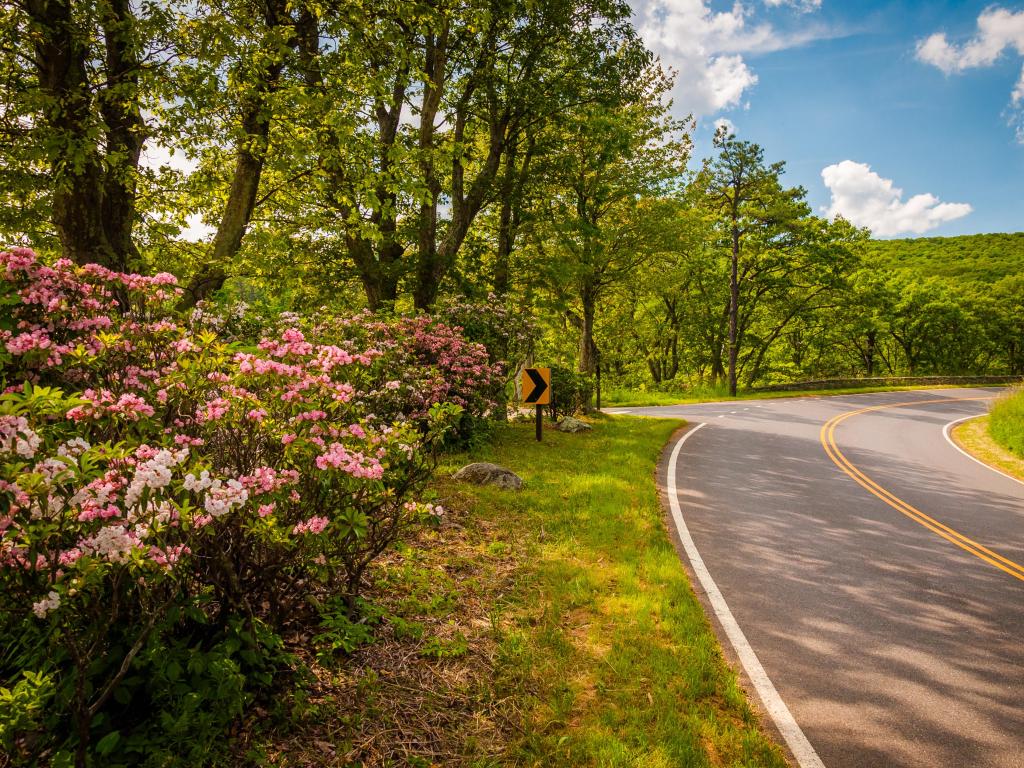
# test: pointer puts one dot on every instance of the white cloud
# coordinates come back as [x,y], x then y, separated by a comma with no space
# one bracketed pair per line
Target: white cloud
[707,47]
[867,200]
[998,30]
[724,122]
[801,5]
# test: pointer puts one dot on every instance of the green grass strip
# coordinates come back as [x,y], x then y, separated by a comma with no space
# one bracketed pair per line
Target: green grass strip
[603,646]
[1006,422]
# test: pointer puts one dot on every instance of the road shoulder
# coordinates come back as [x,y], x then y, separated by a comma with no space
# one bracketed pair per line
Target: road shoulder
[972,437]
[729,652]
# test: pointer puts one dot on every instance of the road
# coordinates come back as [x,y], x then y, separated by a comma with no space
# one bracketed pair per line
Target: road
[884,598]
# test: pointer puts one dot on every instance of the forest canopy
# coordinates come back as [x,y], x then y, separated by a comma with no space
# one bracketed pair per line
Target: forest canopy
[394,155]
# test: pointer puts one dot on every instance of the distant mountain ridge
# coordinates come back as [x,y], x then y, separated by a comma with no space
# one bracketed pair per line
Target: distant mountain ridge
[976,258]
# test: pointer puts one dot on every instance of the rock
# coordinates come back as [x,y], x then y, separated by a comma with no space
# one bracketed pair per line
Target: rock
[483,473]
[570,424]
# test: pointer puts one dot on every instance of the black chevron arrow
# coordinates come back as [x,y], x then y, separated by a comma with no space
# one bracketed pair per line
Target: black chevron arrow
[539,386]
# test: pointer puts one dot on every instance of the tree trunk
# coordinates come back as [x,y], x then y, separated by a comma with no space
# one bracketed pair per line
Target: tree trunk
[506,234]
[588,348]
[250,155]
[126,131]
[869,353]
[511,214]
[436,259]
[428,268]
[734,309]
[80,179]
[245,183]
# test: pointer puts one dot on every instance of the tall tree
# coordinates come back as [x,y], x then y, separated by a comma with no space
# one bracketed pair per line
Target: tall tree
[226,92]
[72,106]
[602,212]
[751,203]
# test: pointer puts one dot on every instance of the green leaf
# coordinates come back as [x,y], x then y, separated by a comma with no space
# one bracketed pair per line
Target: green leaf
[108,743]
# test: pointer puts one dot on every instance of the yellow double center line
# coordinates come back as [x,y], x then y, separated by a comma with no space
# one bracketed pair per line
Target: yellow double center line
[828,441]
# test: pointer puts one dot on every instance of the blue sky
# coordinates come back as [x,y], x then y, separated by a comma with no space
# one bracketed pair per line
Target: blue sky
[914,108]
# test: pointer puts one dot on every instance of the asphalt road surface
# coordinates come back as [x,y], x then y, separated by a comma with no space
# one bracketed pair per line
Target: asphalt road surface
[877,572]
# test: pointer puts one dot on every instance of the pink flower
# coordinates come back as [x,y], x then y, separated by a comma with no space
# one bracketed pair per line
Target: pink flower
[356,464]
[215,409]
[313,525]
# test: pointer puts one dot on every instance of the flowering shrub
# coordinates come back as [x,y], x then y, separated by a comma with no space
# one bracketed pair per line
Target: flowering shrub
[420,361]
[508,334]
[159,484]
[62,313]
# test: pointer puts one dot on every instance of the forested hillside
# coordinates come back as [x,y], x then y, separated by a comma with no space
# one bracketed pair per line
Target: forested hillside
[982,258]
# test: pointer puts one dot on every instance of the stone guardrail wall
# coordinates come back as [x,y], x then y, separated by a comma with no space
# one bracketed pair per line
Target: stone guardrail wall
[888,381]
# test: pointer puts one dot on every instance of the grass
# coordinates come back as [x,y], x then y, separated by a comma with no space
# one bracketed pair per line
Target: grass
[603,644]
[1006,424]
[626,398]
[554,626]
[975,438]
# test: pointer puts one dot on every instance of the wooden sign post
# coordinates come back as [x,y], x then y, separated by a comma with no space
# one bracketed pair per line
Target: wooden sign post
[537,391]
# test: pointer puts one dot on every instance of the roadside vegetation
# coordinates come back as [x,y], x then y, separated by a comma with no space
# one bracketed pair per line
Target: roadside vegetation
[548,627]
[975,437]
[1006,422]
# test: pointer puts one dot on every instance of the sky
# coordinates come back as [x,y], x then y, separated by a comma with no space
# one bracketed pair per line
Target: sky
[906,117]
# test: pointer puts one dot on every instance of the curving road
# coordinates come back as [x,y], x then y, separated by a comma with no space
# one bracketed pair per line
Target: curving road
[876,572]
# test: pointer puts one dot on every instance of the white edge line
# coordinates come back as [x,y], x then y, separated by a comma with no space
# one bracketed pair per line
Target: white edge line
[949,439]
[801,748]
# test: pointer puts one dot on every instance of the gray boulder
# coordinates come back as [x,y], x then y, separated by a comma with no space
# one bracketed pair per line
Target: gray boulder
[570,424]
[483,473]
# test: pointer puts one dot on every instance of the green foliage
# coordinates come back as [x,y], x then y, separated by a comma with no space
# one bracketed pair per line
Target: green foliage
[445,647]
[343,629]
[23,706]
[1006,423]
[984,259]
[571,392]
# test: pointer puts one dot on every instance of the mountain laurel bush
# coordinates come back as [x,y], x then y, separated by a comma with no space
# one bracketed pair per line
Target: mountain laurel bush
[172,499]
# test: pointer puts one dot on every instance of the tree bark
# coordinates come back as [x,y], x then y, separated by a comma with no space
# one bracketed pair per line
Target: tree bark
[436,259]
[734,308]
[93,200]
[250,155]
[588,302]
[428,268]
[511,213]
[126,131]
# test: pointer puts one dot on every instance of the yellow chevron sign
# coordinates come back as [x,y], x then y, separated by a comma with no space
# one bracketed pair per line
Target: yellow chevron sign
[537,386]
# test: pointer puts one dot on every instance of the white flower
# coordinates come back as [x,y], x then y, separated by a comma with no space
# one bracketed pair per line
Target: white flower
[222,497]
[15,435]
[53,470]
[112,542]
[49,603]
[154,473]
[196,484]
[73,448]
[28,444]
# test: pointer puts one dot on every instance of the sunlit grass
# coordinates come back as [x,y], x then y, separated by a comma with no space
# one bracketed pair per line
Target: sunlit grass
[1006,424]
[974,437]
[603,646]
